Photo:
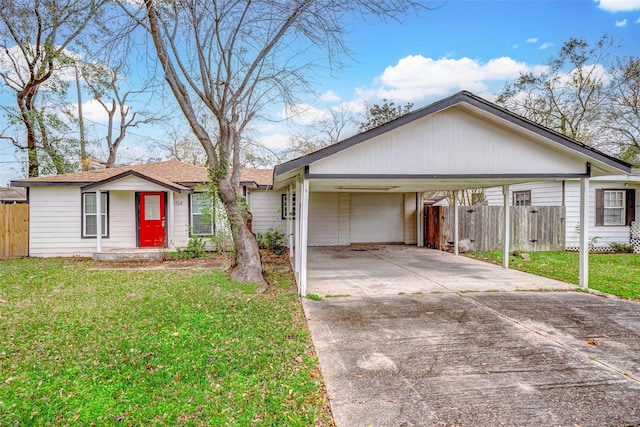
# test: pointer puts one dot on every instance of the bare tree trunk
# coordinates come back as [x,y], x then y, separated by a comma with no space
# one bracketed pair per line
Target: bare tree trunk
[247,265]
[25,103]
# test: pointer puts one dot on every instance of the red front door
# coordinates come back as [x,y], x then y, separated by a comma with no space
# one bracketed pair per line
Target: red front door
[152,219]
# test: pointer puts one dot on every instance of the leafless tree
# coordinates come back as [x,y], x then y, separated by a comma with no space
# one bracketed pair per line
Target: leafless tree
[622,118]
[234,58]
[35,37]
[104,83]
[338,124]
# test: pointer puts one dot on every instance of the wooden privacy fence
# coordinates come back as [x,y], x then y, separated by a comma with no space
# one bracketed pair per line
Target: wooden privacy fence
[533,228]
[14,230]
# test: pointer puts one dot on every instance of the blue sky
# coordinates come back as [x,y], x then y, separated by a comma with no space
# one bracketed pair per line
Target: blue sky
[461,45]
[470,45]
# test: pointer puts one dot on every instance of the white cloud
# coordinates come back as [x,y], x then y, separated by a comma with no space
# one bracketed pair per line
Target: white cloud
[274,141]
[532,40]
[304,114]
[330,96]
[596,71]
[618,5]
[415,77]
[638,21]
[622,23]
[544,46]
[93,111]
[355,106]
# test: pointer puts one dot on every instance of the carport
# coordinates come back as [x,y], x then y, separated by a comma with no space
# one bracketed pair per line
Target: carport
[368,188]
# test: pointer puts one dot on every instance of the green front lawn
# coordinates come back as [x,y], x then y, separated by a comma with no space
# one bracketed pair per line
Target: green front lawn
[152,348]
[617,274]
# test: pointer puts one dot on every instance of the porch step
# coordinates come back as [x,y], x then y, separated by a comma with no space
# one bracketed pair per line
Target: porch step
[130,255]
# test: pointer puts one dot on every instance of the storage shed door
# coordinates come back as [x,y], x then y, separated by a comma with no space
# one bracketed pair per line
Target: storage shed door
[376,218]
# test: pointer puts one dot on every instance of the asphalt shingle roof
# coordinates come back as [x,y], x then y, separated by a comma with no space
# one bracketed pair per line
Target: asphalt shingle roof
[168,172]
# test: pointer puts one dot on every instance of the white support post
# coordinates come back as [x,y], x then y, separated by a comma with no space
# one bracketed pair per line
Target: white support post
[296,261]
[583,274]
[169,221]
[304,228]
[98,221]
[506,232]
[289,213]
[456,220]
[420,219]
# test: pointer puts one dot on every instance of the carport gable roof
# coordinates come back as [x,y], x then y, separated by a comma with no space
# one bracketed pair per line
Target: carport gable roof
[557,156]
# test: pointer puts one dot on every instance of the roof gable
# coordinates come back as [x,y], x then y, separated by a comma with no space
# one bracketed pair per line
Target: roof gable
[473,105]
[447,143]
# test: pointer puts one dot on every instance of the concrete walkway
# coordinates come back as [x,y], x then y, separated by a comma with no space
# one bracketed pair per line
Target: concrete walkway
[454,358]
[393,269]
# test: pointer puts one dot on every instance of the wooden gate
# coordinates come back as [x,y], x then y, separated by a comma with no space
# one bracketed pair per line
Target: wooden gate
[533,228]
[14,230]
[432,221]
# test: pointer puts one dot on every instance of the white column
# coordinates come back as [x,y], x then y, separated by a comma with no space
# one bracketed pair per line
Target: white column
[420,219]
[583,273]
[290,209]
[296,260]
[98,221]
[506,232]
[170,222]
[304,228]
[456,220]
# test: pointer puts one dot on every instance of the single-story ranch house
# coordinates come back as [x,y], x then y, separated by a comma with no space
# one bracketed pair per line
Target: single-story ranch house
[365,189]
[153,205]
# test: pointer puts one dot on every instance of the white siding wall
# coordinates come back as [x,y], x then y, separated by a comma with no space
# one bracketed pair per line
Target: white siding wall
[344,232]
[410,219]
[131,183]
[324,219]
[55,223]
[543,193]
[181,220]
[549,193]
[266,207]
[604,234]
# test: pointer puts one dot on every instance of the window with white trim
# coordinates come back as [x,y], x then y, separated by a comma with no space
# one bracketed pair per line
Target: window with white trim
[286,212]
[90,217]
[522,198]
[202,215]
[614,207]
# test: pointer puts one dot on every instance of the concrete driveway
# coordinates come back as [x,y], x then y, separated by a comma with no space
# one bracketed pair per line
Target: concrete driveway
[392,269]
[482,358]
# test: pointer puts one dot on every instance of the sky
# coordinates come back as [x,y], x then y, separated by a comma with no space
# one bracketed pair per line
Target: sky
[473,45]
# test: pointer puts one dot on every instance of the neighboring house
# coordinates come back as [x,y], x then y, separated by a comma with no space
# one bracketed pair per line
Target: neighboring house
[613,205]
[144,206]
[11,195]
